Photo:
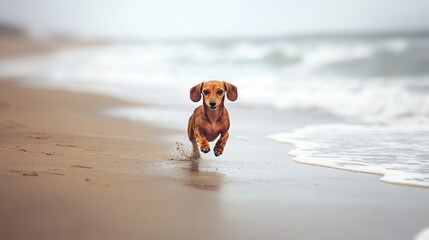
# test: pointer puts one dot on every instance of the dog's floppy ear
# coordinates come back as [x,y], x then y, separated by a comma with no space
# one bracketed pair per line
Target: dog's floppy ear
[195,92]
[231,91]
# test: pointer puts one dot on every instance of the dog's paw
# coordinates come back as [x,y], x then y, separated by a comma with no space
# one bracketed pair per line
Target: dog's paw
[205,148]
[218,151]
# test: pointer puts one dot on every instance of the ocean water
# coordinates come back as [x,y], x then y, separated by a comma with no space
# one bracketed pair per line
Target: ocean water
[379,87]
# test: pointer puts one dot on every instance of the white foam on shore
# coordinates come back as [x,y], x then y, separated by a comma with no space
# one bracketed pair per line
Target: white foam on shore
[399,153]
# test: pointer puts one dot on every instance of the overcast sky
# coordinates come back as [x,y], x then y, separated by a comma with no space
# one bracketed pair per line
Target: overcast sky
[217,18]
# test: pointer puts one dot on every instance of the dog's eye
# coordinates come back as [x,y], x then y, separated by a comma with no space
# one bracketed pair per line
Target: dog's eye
[220,91]
[206,92]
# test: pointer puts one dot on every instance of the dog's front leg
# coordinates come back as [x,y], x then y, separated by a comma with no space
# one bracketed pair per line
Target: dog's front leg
[220,144]
[202,141]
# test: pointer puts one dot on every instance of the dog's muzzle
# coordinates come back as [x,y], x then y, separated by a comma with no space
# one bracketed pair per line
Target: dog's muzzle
[213,105]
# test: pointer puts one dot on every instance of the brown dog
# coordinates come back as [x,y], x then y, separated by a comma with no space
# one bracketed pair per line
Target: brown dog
[211,119]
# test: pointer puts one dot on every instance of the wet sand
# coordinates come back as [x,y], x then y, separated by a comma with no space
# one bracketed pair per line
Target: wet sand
[67,172]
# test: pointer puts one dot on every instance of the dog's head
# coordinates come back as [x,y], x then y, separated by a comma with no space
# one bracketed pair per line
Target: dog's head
[213,93]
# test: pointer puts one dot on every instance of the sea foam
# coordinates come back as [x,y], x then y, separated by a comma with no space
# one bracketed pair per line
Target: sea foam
[399,153]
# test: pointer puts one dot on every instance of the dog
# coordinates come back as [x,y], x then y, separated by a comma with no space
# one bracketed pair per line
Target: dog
[211,119]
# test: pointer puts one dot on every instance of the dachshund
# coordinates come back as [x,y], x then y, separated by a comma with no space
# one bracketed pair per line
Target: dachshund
[211,119]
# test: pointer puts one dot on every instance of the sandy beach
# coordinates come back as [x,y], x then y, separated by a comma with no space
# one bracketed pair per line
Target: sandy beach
[69,172]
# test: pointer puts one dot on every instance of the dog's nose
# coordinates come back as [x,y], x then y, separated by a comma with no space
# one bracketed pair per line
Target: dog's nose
[212,103]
